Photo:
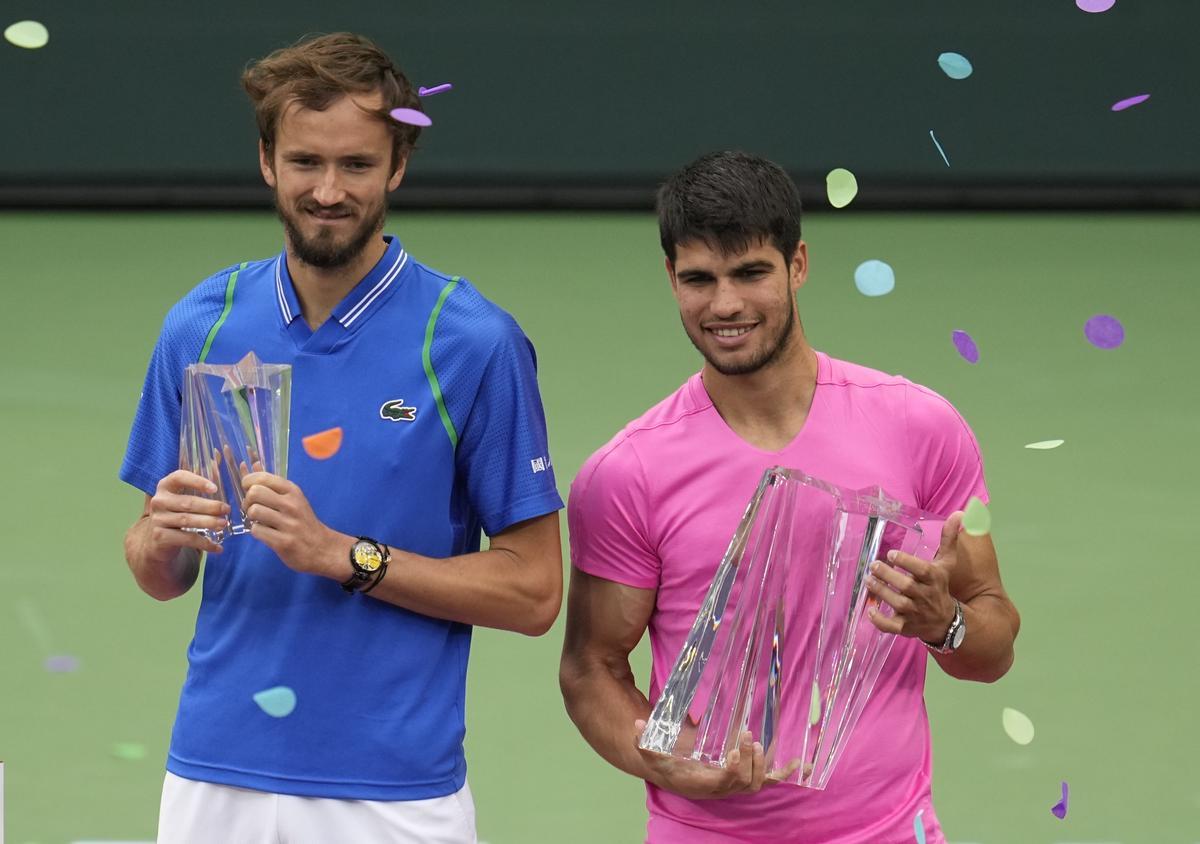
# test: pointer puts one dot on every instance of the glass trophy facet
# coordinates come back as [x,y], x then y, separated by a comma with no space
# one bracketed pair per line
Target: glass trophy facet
[782,646]
[235,420]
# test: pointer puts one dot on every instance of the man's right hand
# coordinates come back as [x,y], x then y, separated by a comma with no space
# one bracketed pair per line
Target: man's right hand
[745,771]
[177,504]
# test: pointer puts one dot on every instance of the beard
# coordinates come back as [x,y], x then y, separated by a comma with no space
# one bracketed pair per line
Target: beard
[325,250]
[768,355]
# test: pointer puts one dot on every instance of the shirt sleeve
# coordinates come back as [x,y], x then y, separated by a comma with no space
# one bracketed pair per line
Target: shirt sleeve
[153,449]
[607,513]
[947,460]
[503,450]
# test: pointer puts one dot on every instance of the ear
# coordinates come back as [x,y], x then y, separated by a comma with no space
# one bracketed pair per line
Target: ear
[799,266]
[398,176]
[671,275]
[265,165]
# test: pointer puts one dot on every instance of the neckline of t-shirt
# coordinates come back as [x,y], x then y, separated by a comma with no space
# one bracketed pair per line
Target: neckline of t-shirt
[703,401]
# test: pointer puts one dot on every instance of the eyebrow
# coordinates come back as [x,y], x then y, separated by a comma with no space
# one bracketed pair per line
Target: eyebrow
[741,269]
[355,156]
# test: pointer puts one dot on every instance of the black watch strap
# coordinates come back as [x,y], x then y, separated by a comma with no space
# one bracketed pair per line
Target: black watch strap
[363,574]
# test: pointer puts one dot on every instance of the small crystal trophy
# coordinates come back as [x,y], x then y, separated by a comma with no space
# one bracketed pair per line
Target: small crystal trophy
[782,645]
[235,420]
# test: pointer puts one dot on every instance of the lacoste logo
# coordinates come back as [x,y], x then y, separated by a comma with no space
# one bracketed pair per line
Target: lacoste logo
[395,411]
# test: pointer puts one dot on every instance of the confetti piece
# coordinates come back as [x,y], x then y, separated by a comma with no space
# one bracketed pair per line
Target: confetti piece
[129,751]
[1095,6]
[1104,331]
[955,65]
[61,664]
[814,705]
[919,827]
[976,519]
[874,278]
[1018,726]
[28,34]
[939,148]
[436,89]
[1045,445]
[1059,809]
[324,444]
[278,701]
[1121,105]
[965,345]
[410,116]
[841,186]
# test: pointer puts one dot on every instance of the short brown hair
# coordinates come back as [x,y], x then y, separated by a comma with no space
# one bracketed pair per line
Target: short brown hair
[317,71]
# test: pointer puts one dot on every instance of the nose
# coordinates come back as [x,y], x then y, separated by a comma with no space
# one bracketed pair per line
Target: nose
[329,190]
[727,301]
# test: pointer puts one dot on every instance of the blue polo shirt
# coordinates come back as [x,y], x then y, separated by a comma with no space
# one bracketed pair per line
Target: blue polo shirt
[435,389]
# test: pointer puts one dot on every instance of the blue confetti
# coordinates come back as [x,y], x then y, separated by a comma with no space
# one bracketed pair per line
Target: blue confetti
[955,65]
[278,702]
[939,148]
[874,278]
[919,827]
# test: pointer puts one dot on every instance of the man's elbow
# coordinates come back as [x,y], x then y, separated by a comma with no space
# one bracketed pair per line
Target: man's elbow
[543,610]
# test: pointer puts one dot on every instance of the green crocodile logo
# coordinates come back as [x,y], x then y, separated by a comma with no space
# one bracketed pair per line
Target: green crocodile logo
[395,411]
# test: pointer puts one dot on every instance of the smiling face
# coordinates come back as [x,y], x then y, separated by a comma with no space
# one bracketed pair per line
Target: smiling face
[739,310]
[331,171]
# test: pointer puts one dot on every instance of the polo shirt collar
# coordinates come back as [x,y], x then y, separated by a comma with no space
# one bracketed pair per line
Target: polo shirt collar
[366,296]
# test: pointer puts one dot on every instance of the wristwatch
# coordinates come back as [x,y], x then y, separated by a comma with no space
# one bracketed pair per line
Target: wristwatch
[954,636]
[369,557]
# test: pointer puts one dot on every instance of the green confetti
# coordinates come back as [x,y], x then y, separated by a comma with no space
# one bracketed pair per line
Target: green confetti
[28,34]
[130,751]
[814,705]
[841,186]
[1046,444]
[1017,725]
[976,520]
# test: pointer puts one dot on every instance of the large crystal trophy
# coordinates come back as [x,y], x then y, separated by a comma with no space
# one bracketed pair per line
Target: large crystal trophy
[235,420]
[782,645]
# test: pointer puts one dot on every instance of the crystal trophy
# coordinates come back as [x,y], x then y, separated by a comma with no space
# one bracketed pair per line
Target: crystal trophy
[235,420]
[782,645]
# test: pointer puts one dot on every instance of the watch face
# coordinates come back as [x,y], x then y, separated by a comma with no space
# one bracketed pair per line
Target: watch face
[959,635]
[367,557]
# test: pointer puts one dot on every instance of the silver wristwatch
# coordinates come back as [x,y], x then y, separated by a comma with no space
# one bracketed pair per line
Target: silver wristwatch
[954,636]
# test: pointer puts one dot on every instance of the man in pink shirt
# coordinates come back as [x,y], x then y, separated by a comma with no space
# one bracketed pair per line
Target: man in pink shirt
[651,513]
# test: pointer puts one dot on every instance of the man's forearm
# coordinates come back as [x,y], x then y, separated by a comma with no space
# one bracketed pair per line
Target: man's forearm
[160,580]
[987,651]
[603,702]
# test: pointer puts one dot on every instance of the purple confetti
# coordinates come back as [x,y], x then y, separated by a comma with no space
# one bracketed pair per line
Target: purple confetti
[966,346]
[436,89]
[61,664]
[1095,6]
[1130,102]
[410,116]
[1104,331]
[1059,809]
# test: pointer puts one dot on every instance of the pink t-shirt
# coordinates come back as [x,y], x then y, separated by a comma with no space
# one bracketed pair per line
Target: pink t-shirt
[655,509]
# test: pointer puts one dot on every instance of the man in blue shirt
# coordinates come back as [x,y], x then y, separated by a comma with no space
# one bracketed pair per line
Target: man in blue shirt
[435,390]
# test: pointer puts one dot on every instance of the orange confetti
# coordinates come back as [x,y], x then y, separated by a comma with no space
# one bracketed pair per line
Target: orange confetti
[323,445]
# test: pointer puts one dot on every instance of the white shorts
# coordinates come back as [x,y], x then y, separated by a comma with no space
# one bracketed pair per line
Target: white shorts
[206,813]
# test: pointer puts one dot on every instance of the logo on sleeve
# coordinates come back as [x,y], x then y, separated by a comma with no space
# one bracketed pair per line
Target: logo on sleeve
[395,411]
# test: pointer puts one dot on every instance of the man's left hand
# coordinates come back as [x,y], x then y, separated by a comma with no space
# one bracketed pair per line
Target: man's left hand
[917,590]
[284,521]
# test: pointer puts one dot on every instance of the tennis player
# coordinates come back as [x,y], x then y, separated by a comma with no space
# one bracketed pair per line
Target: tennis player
[651,512]
[363,575]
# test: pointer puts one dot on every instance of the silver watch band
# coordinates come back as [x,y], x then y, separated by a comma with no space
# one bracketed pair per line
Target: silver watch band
[954,635]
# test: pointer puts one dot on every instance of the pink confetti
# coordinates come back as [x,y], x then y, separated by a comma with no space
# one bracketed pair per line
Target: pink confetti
[436,89]
[1095,6]
[410,116]
[1121,105]
[1104,331]
[965,345]
[1059,809]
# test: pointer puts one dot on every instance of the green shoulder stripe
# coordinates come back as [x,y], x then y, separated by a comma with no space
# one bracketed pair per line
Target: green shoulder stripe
[430,375]
[212,332]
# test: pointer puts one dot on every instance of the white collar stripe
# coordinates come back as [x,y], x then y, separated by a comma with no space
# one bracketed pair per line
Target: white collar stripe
[364,303]
[283,305]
